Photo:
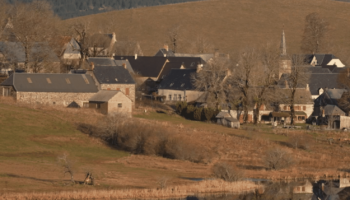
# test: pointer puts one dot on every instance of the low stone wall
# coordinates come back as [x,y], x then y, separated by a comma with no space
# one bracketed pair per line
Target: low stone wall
[55,98]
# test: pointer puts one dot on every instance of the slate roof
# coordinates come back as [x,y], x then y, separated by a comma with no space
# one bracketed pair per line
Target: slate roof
[112,75]
[223,114]
[146,66]
[318,80]
[103,96]
[177,63]
[335,93]
[102,61]
[322,59]
[69,83]
[15,51]
[319,70]
[204,56]
[333,110]
[301,96]
[167,53]
[178,79]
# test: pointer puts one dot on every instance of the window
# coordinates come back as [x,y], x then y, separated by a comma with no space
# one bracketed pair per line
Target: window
[48,80]
[179,97]
[118,89]
[284,107]
[301,118]
[169,97]
[127,91]
[303,189]
[108,88]
[67,81]
[175,97]
[5,92]
[120,105]
[98,106]
[304,107]
[85,104]
[29,80]
[85,79]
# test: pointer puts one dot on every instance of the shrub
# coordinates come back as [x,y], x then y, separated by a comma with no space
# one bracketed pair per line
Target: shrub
[144,138]
[180,107]
[227,172]
[197,114]
[277,158]
[208,114]
[189,112]
[301,141]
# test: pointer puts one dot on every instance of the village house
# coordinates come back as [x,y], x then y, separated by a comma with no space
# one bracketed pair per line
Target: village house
[69,90]
[111,102]
[225,119]
[115,78]
[70,54]
[178,86]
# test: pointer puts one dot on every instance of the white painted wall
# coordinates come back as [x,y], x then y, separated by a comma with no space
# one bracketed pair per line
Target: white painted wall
[336,62]
[191,95]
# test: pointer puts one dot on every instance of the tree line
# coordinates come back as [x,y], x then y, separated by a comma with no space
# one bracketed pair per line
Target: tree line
[74,8]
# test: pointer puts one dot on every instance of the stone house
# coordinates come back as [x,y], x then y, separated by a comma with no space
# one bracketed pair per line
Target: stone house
[69,90]
[70,54]
[225,119]
[111,102]
[155,69]
[178,86]
[115,78]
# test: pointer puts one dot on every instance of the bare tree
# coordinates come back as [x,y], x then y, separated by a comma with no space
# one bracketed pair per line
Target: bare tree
[212,80]
[67,166]
[33,23]
[227,172]
[265,78]
[277,158]
[243,75]
[98,45]
[174,37]
[201,45]
[298,78]
[4,21]
[314,33]
[81,30]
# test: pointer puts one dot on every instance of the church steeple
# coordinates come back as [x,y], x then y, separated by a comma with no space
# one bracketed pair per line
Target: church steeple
[283,45]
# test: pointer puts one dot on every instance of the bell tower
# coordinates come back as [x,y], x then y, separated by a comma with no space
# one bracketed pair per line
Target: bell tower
[285,63]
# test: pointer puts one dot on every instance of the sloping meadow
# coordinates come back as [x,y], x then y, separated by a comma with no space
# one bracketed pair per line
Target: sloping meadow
[148,138]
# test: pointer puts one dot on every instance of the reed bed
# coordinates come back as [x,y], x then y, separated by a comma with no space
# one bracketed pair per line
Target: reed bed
[203,187]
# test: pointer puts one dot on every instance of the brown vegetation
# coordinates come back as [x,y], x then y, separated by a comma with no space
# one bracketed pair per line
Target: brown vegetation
[207,186]
[230,25]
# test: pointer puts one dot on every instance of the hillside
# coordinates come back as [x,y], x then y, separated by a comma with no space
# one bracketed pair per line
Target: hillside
[229,25]
[75,8]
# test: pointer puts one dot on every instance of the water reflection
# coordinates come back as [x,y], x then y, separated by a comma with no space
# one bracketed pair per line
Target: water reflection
[296,190]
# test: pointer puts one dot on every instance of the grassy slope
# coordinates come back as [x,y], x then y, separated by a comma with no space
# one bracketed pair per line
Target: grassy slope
[31,140]
[230,25]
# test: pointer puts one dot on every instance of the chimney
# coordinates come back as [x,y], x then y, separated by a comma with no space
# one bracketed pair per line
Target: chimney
[286,84]
[166,47]
[135,56]
[114,37]
[92,66]
[307,87]
[112,56]
[199,68]
[216,53]
[124,65]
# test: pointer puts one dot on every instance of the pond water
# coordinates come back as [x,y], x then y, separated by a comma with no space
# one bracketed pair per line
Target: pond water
[297,190]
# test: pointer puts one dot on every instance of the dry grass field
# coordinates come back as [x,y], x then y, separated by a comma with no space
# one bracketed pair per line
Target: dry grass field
[229,25]
[33,137]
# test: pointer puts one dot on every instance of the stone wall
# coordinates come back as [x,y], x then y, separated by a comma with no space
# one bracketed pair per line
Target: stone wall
[112,106]
[126,105]
[344,122]
[122,88]
[54,98]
